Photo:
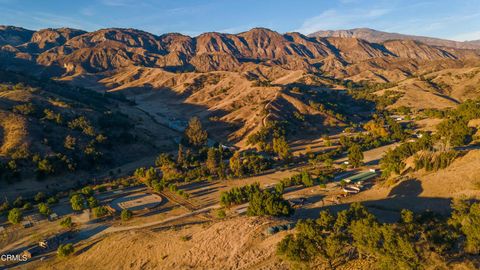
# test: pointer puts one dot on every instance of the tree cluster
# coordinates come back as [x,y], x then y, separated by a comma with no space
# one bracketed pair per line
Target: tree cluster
[355,233]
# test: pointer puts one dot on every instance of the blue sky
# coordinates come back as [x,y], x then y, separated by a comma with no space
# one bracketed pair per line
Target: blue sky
[458,20]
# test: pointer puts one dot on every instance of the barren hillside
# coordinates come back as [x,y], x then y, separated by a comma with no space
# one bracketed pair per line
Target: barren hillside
[237,243]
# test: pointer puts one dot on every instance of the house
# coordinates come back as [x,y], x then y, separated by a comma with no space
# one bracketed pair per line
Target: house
[230,148]
[53,216]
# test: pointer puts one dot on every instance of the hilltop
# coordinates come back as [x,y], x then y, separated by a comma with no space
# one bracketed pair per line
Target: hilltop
[376,36]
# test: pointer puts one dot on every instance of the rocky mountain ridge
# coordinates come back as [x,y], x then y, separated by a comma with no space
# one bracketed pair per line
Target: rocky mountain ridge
[376,36]
[74,52]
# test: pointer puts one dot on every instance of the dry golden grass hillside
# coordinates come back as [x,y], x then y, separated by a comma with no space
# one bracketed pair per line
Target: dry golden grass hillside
[237,243]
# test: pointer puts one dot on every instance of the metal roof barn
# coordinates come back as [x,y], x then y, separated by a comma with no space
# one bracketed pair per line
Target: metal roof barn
[363,176]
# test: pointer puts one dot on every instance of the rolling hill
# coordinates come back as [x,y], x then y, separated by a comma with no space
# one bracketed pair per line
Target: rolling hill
[238,82]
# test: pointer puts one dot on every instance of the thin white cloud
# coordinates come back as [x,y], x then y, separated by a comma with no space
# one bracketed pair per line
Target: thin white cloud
[57,21]
[475,35]
[87,11]
[236,29]
[436,25]
[118,3]
[331,19]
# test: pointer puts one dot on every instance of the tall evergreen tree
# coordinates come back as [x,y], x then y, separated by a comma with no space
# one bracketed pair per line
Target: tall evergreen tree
[180,156]
[355,155]
[236,164]
[212,160]
[195,133]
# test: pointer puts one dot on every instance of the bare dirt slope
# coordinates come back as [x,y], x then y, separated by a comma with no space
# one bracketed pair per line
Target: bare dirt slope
[236,243]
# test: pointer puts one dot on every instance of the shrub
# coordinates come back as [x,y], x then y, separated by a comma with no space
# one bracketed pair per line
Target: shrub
[27,206]
[25,109]
[40,197]
[238,195]
[65,250]
[92,202]
[66,222]
[221,213]
[126,214]
[52,200]
[100,211]
[87,191]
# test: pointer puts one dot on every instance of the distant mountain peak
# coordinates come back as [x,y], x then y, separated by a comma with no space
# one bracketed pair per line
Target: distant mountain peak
[378,36]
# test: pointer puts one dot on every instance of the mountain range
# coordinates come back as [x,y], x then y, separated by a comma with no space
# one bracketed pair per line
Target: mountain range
[71,52]
[376,36]
[240,80]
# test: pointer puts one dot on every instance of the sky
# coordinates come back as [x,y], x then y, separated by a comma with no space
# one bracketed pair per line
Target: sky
[457,20]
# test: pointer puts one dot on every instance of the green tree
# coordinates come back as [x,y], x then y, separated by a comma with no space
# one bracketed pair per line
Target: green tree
[195,133]
[164,159]
[65,250]
[66,222]
[466,218]
[87,191]
[307,180]
[455,131]
[44,209]
[236,164]
[100,211]
[92,202]
[15,216]
[44,168]
[18,202]
[77,202]
[52,200]
[212,160]
[40,197]
[180,156]
[281,148]
[27,206]
[268,203]
[70,142]
[355,155]
[126,214]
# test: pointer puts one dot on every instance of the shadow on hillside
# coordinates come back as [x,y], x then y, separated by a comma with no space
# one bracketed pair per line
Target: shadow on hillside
[85,234]
[13,64]
[173,112]
[407,188]
[183,224]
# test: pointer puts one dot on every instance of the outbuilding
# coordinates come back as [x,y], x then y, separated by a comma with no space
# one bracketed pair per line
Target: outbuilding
[361,177]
